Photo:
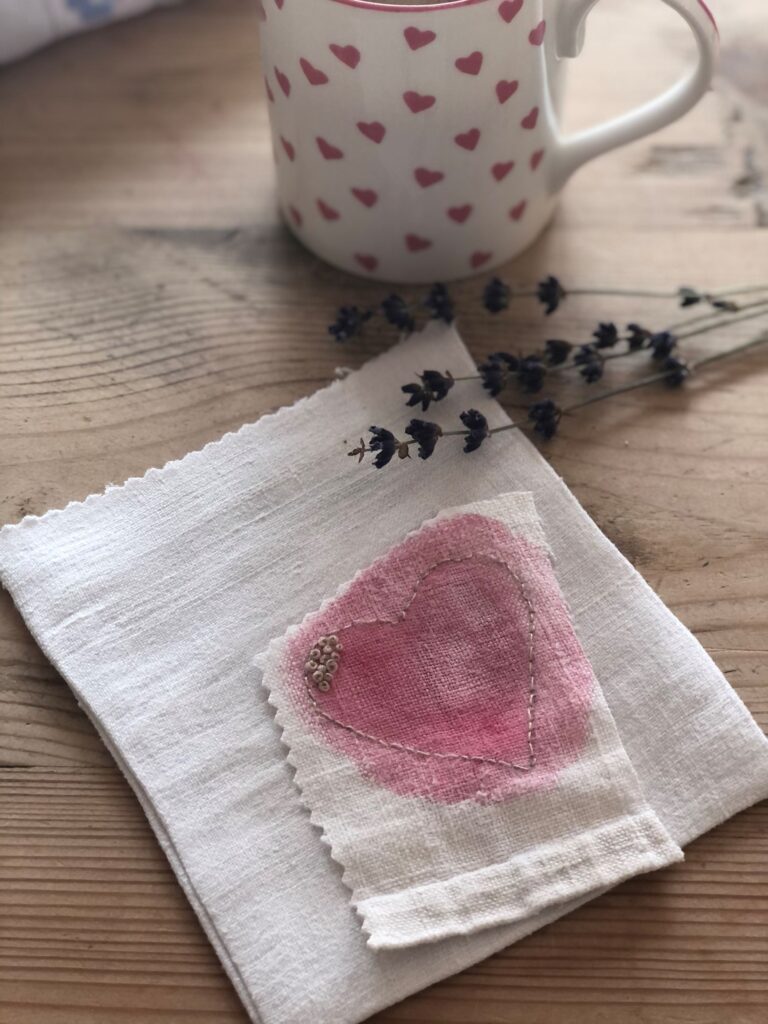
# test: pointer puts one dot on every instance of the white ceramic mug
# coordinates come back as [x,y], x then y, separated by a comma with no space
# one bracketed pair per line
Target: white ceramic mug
[417,143]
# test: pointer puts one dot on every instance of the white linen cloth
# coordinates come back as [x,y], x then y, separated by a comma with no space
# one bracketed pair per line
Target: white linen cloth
[26,25]
[153,599]
[543,808]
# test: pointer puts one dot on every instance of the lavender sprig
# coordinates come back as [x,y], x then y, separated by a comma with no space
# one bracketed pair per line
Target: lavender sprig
[530,372]
[543,416]
[498,296]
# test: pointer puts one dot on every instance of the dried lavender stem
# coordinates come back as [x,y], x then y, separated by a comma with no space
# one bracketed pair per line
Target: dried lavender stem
[646,294]
[715,314]
[718,321]
[625,292]
[654,378]
[761,339]
[761,306]
[733,320]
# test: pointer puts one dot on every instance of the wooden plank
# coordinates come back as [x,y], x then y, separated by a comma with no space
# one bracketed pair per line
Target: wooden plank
[151,301]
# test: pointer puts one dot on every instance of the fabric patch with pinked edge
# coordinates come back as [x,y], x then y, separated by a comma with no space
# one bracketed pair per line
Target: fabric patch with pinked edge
[449,735]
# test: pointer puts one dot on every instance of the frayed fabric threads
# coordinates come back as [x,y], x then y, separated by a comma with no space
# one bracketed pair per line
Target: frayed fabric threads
[462,760]
[159,651]
[324,658]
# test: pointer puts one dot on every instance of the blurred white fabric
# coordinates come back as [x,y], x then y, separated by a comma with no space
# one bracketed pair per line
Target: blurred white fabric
[26,25]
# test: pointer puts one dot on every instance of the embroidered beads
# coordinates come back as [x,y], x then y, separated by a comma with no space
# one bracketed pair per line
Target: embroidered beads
[323,662]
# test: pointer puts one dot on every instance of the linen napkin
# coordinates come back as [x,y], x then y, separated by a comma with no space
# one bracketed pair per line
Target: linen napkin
[153,599]
[450,738]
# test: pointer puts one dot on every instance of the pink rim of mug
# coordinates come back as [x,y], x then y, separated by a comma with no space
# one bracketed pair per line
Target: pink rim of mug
[448,5]
[374,5]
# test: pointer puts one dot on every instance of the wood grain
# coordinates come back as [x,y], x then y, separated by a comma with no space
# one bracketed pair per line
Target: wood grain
[150,301]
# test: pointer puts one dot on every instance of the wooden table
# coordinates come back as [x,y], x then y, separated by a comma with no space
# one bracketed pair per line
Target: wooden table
[151,301]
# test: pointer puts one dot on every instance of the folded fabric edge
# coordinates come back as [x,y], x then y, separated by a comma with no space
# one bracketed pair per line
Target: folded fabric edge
[388,921]
[268,661]
[164,838]
[397,921]
[136,483]
[523,886]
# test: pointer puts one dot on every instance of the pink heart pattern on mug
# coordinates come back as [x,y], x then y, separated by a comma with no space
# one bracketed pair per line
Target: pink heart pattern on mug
[373,130]
[426,178]
[468,140]
[366,261]
[426,92]
[329,151]
[313,75]
[417,103]
[509,9]
[417,38]
[536,36]
[283,81]
[460,213]
[290,152]
[472,64]
[505,90]
[328,212]
[479,259]
[502,169]
[349,55]
[367,196]
[415,243]
[536,158]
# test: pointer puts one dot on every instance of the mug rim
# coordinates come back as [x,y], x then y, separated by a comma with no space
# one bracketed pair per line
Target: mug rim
[448,5]
[376,5]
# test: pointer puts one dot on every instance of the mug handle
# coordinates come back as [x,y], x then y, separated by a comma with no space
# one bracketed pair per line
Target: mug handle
[671,105]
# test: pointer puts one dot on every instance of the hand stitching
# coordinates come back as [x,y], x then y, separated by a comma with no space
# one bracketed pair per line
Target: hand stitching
[401,615]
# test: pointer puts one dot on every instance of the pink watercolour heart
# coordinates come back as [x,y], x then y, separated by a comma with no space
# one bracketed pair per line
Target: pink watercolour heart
[416,38]
[531,118]
[283,81]
[426,178]
[328,212]
[296,216]
[468,140]
[366,196]
[416,102]
[518,210]
[536,158]
[536,35]
[279,4]
[460,213]
[510,9]
[349,55]
[314,75]
[366,261]
[466,683]
[290,152]
[270,94]
[472,64]
[329,151]
[501,170]
[373,130]
[415,243]
[479,259]
[506,89]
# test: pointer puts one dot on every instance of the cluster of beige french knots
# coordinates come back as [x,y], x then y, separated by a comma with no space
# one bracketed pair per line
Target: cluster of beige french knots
[323,662]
